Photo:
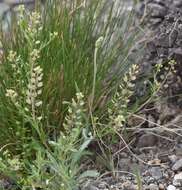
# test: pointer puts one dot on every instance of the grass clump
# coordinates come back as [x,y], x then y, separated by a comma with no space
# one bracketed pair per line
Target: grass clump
[62,67]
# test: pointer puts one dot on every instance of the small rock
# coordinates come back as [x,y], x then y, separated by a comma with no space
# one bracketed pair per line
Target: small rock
[156,173]
[178,165]
[177,51]
[14,2]
[128,186]
[124,164]
[171,187]
[152,121]
[147,140]
[90,187]
[178,180]
[134,121]
[173,158]
[161,186]
[123,155]
[177,3]
[153,187]
[156,10]
[149,180]
[102,185]
[178,149]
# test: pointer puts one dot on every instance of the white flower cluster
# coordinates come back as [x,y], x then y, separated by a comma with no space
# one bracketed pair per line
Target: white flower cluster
[21,10]
[14,60]
[53,35]
[35,87]
[118,111]
[34,55]
[11,94]
[75,112]
[12,56]
[34,26]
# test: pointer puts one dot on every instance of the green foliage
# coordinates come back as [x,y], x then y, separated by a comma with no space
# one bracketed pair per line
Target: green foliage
[46,56]
[56,166]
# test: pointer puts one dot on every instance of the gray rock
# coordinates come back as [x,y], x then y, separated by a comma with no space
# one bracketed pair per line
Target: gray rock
[90,187]
[178,150]
[177,181]
[147,140]
[149,180]
[162,40]
[177,51]
[157,10]
[161,186]
[127,185]
[124,164]
[178,165]
[177,3]
[156,173]
[153,187]
[173,158]
[171,187]
[3,8]
[12,2]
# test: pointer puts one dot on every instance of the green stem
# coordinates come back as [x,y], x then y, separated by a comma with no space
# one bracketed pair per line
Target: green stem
[94,78]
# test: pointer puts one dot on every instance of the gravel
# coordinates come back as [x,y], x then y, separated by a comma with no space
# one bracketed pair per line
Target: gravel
[154,175]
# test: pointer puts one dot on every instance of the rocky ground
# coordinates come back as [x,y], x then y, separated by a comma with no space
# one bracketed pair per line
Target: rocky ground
[159,166]
[163,39]
[155,153]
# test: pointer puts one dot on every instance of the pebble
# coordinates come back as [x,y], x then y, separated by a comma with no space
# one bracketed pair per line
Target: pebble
[91,187]
[125,164]
[177,181]
[156,173]
[178,165]
[173,158]
[147,140]
[153,187]
[157,10]
[161,186]
[171,187]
